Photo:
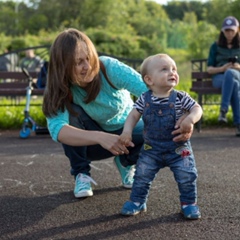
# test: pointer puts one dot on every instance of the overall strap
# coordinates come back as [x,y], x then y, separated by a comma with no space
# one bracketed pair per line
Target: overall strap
[172,97]
[147,97]
[102,68]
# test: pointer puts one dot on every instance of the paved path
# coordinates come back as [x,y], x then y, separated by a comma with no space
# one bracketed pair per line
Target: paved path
[37,203]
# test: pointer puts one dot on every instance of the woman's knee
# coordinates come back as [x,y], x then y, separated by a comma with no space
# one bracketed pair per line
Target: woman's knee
[232,74]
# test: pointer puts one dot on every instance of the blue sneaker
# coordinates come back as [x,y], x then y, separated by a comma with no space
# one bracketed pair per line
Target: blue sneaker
[191,212]
[83,186]
[130,209]
[127,173]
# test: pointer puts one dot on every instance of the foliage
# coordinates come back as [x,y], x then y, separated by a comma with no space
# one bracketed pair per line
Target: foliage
[135,28]
[121,45]
[150,21]
[205,34]
[124,28]
[210,116]
[5,42]
[221,9]
[12,117]
[177,35]
[177,9]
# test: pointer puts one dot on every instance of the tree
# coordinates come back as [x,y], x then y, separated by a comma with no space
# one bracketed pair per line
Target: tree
[8,18]
[150,21]
[177,9]
[219,9]
[200,37]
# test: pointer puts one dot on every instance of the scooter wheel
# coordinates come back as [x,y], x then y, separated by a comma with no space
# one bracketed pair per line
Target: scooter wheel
[25,133]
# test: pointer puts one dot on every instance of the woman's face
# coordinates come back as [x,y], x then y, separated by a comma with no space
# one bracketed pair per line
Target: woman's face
[82,66]
[229,34]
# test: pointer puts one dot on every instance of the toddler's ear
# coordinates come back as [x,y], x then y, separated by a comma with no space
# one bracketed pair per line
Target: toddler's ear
[147,79]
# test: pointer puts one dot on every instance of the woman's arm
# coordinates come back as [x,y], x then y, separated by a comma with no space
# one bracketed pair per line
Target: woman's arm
[212,64]
[124,76]
[215,70]
[77,137]
[61,131]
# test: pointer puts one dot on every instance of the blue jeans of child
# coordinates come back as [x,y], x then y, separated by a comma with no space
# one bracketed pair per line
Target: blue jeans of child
[81,157]
[166,154]
[229,82]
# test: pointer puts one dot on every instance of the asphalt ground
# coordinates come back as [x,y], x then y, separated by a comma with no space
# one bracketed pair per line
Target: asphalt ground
[37,202]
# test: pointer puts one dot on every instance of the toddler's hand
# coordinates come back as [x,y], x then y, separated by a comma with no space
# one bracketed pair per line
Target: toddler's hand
[126,139]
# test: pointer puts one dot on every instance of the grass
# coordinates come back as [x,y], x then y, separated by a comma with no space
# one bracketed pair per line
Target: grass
[12,116]
[210,116]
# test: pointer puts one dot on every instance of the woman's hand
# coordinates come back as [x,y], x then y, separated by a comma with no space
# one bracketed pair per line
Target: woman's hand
[183,133]
[215,70]
[236,66]
[113,143]
[78,137]
[226,66]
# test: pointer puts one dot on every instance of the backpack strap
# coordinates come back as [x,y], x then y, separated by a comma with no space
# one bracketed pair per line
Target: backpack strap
[102,67]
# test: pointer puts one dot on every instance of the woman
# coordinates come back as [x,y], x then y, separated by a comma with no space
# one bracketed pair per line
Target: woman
[86,102]
[223,63]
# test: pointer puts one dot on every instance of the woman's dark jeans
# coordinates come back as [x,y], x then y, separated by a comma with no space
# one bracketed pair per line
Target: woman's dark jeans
[80,157]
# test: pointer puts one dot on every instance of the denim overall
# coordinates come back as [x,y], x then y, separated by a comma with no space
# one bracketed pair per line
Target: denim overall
[160,151]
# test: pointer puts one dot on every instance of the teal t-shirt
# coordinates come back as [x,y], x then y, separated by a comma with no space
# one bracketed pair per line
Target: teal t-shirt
[111,106]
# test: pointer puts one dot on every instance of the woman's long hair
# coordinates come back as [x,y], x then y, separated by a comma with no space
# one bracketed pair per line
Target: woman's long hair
[222,41]
[61,72]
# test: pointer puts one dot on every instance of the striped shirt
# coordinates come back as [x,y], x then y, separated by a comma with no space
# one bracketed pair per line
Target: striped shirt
[183,103]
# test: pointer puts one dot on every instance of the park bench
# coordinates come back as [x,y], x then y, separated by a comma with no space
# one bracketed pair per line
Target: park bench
[202,83]
[14,85]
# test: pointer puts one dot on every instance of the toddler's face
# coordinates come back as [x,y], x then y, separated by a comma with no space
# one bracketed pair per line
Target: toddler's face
[163,72]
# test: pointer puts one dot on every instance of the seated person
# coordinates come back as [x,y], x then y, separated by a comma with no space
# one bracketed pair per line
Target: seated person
[4,63]
[31,62]
[8,60]
[224,64]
